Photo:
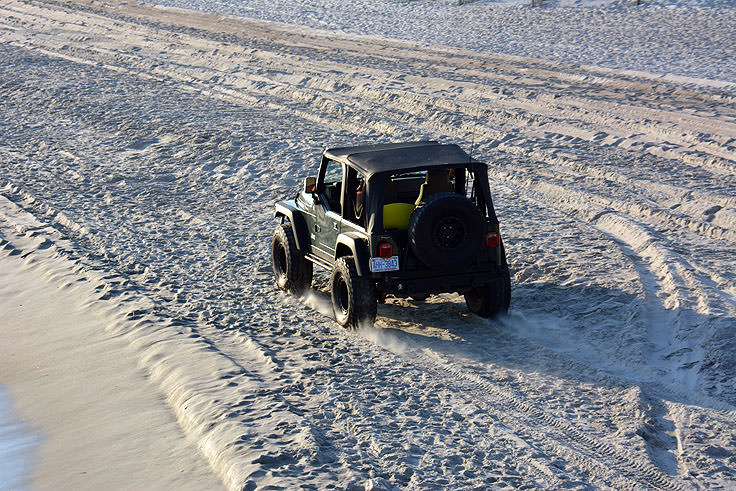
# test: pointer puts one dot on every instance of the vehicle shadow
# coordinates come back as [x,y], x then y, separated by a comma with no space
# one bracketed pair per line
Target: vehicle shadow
[560,345]
[603,334]
[607,335]
[575,336]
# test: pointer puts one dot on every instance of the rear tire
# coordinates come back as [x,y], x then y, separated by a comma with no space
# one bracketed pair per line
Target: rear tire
[491,299]
[293,273]
[353,297]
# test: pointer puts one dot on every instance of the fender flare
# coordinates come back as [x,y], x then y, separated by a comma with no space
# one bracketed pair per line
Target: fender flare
[357,246]
[298,225]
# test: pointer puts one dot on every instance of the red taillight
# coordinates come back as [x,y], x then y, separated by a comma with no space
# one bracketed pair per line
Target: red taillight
[385,250]
[492,239]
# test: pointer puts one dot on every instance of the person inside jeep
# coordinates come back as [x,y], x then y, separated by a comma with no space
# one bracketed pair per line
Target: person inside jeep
[437,181]
[359,198]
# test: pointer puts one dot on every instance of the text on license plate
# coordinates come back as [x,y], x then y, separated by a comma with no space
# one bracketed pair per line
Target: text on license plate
[380,264]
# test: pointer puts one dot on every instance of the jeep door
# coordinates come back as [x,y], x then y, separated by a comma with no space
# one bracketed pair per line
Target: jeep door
[326,221]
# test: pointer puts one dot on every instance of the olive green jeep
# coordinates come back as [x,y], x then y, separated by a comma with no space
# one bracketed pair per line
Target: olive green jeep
[405,219]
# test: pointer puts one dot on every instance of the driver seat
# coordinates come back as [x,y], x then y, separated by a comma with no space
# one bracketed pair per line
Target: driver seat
[437,181]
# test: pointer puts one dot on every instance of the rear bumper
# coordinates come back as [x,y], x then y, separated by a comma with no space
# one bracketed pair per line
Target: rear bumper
[408,284]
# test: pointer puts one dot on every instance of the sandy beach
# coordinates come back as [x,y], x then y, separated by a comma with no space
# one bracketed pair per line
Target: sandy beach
[97,420]
[143,342]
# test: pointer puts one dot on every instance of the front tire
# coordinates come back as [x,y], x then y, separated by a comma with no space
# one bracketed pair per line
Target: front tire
[293,273]
[492,299]
[353,297]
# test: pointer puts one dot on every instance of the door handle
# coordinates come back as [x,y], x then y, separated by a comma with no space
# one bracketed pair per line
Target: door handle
[317,228]
[335,226]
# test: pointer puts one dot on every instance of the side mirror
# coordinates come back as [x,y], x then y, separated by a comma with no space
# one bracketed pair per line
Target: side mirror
[310,185]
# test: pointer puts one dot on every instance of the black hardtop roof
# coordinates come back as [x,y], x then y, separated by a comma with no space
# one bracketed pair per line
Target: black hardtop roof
[373,159]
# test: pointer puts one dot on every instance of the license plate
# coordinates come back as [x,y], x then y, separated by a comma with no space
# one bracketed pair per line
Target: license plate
[380,264]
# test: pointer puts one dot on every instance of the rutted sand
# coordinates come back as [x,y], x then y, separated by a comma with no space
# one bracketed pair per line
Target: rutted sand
[146,148]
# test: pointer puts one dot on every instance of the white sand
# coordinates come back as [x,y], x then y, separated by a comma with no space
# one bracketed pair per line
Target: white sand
[680,37]
[141,152]
[101,422]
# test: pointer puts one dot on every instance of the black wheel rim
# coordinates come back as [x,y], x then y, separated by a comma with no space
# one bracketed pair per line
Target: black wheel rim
[342,296]
[280,260]
[449,233]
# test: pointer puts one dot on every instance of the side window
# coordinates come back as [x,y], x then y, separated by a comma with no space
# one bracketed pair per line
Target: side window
[355,198]
[333,173]
[473,191]
[333,185]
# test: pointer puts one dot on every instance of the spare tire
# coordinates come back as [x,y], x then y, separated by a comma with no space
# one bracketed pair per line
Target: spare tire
[446,232]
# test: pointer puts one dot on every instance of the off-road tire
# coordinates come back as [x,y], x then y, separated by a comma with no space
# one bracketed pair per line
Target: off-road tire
[446,232]
[354,300]
[491,299]
[292,272]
